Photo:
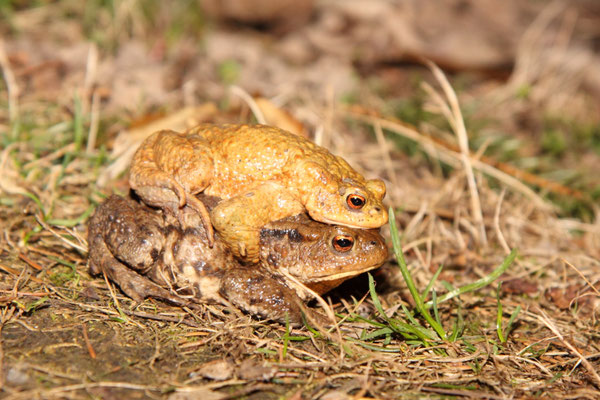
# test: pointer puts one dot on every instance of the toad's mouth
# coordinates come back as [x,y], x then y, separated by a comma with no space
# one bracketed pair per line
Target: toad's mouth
[363,224]
[324,284]
[339,276]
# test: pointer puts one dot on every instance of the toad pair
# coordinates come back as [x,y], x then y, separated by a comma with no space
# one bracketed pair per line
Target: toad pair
[267,179]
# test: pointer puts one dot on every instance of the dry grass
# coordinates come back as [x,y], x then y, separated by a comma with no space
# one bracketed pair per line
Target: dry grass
[65,334]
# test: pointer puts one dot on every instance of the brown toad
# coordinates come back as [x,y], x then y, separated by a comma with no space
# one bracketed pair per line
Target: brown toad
[150,253]
[263,174]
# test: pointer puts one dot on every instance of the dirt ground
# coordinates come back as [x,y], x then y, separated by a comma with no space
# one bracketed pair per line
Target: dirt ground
[498,152]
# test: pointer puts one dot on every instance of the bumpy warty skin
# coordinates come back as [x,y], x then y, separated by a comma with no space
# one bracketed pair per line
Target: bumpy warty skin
[150,253]
[262,173]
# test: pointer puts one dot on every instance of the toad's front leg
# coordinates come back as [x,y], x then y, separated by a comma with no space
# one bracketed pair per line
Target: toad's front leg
[169,168]
[253,290]
[239,219]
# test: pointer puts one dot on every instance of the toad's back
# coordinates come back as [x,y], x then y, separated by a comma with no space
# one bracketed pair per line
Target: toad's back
[245,156]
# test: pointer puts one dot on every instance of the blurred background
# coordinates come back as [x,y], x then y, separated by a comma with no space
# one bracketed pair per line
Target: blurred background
[526,72]
[84,82]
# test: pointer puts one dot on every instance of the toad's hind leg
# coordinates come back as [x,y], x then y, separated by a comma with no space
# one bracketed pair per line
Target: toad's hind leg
[113,250]
[239,219]
[130,231]
[256,292]
[169,168]
[134,285]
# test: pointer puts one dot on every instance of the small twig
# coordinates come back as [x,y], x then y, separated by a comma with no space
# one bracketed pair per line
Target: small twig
[52,231]
[91,68]
[48,393]
[514,359]
[387,160]
[88,344]
[30,262]
[238,91]
[17,273]
[327,127]
[582,275]
[6,314]
[471,394]
[450,156]
[442,106]
[32,294]
[11,84]
[463,140]
[94,123]
[550,325]
[156,353]
[318,136]
[112,293]
[299,285]
[326,307]
[50,157]
[497,223]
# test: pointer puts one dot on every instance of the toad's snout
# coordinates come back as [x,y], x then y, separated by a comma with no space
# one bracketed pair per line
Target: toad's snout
[375,211]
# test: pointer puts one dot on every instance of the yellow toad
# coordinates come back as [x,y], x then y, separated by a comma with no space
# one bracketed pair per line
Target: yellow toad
[263,174]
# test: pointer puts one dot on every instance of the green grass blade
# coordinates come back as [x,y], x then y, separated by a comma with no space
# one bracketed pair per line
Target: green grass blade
[373,347]
[417,325]
[478,284]
[77,124]
[368,321]
[411,331]
[499,315]
[408,278]
[37,202]
[286,336]
[436,313]
[377,333]
[69,223]
[375,298]
[410,317]
[431,282]
[448,286]
[511,321]
[458,326]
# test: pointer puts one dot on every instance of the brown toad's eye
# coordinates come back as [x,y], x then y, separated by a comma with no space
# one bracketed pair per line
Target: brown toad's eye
[355,201]
[343,243]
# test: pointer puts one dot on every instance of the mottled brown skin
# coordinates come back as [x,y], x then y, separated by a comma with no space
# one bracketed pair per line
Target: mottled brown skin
[150,253]
[263,174]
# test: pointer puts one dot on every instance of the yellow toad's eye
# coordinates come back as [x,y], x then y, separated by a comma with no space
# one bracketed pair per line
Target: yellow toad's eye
[355,201]
[343,243]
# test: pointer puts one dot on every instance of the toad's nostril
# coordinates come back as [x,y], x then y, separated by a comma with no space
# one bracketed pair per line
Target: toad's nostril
[375,210]
[373,243]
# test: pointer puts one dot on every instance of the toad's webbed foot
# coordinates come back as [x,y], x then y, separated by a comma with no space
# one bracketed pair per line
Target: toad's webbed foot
[174,201]
[202,211]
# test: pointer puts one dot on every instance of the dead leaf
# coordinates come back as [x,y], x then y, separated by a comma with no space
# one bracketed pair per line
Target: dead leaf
[519,286]
[336,395]
[129,140]
[253,370]
[564,298]
[280,118]
[218,370]
[197,393]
